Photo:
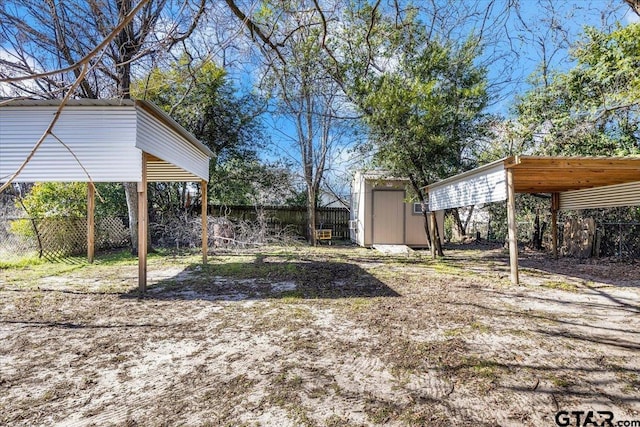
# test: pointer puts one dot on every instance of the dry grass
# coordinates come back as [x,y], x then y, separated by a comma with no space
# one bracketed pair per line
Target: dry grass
[316,336]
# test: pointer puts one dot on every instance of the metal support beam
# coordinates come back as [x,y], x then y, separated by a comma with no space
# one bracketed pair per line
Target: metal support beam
[513,228]
[91,221]
[205,236]
[142,228]
[555,206]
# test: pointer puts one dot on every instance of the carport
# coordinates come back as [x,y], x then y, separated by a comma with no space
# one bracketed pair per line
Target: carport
[93,141]
[573,182]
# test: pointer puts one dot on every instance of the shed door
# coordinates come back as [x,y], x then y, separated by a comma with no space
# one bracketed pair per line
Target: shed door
[388,217]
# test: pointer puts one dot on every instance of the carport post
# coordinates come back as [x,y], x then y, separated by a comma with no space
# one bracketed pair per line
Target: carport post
[555,206]
[205,237]
[142,228]
[513,228]
[91,223]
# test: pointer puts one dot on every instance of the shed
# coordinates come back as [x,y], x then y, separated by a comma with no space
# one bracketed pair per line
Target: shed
[573,182]
[92,141]
[381,213]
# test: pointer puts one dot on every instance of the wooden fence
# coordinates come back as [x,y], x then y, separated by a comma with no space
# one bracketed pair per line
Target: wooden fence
[292,217]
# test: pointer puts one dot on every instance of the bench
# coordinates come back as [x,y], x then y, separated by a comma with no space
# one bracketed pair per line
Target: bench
[323,234]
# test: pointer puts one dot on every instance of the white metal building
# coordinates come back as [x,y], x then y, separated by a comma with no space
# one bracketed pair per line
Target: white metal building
[100,141]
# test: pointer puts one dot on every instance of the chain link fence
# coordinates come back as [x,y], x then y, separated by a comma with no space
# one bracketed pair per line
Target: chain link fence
[620,239]
[60,238]
[611,239]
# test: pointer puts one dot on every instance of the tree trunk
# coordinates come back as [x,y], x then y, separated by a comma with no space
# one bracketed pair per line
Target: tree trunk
[125,42]
[538,232]
[425,214]
[131,194]
[311,214]
[459,232]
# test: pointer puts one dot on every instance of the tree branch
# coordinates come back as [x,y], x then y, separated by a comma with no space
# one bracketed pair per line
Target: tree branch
[85,60]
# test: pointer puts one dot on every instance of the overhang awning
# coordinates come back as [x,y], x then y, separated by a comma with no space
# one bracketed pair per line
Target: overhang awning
[559,174]
[89,140]
[535,174]
[573,182]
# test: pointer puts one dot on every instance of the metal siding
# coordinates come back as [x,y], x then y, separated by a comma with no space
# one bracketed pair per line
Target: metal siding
[355,206]
[102,138]
[161,171]
[602,197]
[488,185]
[361,209]
[163,142]
[365,220]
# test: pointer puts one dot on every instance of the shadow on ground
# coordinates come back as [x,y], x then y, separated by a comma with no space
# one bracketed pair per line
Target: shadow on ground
[235,281]
[621,273]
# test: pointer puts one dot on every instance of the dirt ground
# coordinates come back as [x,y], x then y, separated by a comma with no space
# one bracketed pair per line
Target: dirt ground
[332,336]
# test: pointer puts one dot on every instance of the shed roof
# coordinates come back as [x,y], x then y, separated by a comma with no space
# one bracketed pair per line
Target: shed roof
[107,138]
[376,174]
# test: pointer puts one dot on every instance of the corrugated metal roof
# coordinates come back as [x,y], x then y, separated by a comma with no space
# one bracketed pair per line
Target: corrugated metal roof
[166,144]
[72,102]
[462,175]
[488,184]
[610,196]
[105,136]
[114,102]
[168,120]
[107,151]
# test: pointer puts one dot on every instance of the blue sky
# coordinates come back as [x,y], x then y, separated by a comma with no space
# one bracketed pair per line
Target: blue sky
[516,47]
[514,51]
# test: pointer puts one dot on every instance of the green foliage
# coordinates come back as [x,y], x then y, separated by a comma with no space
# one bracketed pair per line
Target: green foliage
[21,262]
[200,97]
[56,200]
[426,112]
[22,227]
[61,200]
[247,181]
[593,109]
[110,200]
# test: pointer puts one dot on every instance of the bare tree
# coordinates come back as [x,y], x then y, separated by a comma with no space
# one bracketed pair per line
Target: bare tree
[310,100]
[37,39]
[634,5]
